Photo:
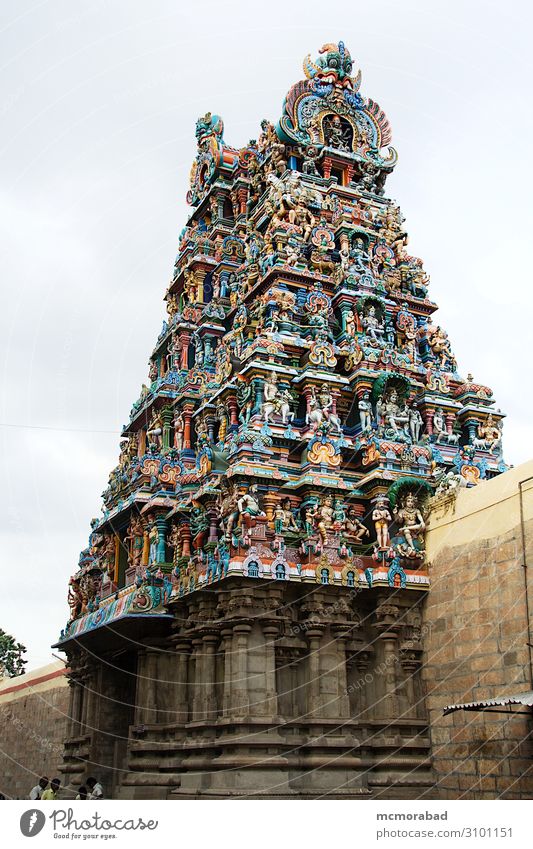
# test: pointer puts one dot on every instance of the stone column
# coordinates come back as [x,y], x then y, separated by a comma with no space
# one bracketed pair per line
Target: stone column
[210,640]
[181,702]
[227,636]
[314,701]
[450,418]
[75,706]
[185,339]
[187,416]
[166,415]
[233,411]
[258,389]
[239,695]
[341,634]
[270,633]
[161,523]
[198,696]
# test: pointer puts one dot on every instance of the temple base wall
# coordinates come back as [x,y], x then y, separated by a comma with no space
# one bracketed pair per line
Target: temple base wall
[476,638]
[269,691]
[34,722]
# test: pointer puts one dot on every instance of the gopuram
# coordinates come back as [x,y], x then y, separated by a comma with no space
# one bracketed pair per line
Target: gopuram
[246,618]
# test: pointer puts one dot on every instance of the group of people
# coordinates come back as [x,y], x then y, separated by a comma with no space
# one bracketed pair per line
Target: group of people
[45,789]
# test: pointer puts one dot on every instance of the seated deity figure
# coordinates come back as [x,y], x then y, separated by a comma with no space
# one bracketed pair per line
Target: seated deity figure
[410,522]
[392,415]
[354,527]
[248,505]
[491,433]
[373,327]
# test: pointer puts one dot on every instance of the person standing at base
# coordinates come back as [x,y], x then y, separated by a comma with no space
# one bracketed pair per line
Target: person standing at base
[37,791]
[53,790]
[82,793]
[96,791]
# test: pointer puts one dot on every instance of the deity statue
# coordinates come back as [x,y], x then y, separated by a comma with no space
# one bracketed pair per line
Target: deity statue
[227,506]
[190,286]
[382,518]
[155,430]
[248,507]
[335,134]
[364,406]
[75,598]
[372,326]
[491,433]
[310,155]
[440,347]
[321,409]
[283,517]
[354,527]
[350,326]
[410,522]
[172,306]
[392,415]
[153,539]
[175,350]
[323,516]
[302,217]
[439,424]
[179,428]
[360,258]
[135,538]
[175,542]
[244,400]
[416,422]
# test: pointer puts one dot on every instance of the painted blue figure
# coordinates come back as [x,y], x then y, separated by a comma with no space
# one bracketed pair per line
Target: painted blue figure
[213,567]
[223,557]
[369,575]
[395,568]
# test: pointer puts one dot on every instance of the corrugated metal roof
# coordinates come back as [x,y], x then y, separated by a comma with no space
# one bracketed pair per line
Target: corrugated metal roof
[520,699]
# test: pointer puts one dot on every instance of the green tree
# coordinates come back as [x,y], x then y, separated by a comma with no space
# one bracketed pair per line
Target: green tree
[11,660]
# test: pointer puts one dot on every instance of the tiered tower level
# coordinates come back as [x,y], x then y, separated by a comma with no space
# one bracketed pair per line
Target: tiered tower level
[301,409]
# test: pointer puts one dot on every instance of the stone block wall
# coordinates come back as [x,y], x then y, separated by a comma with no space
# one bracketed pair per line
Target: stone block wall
[477,634]
[34,723]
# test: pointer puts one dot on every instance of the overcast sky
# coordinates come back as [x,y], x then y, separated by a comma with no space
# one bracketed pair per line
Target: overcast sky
[98,106]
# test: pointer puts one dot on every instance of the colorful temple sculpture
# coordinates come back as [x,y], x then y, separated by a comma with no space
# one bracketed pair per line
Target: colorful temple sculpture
[246,617]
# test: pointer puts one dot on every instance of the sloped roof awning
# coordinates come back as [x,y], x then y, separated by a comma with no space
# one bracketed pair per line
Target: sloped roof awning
[520,699]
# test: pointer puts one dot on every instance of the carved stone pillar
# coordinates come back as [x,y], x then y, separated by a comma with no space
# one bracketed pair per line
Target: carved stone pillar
[185,339]
[166,415]
[450,418]
[269,706]
[239,667]
[269,502]
[187,417]
[233,408]
[210,641]
[183,650]
[198,699]
[387,625]
[227,637]
[314,637]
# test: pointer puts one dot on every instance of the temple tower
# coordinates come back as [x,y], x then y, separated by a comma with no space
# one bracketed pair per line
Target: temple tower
[246,619]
